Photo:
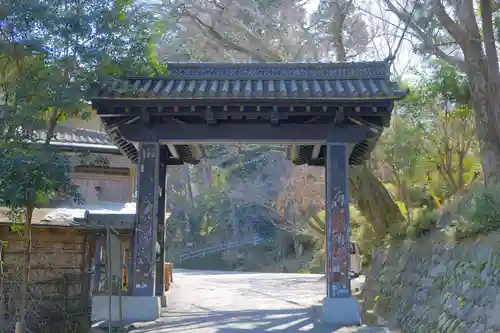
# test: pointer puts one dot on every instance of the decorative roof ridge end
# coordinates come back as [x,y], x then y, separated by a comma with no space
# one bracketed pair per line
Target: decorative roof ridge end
[268,65]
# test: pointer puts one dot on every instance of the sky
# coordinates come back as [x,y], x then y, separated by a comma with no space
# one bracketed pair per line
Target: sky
[405,55]
[311,5]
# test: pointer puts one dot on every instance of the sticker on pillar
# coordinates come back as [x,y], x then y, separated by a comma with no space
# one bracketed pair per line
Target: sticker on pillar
[340,290]
[340,238]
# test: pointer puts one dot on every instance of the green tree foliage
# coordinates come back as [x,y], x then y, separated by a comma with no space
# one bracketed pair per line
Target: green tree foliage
[476,213]
[464,34]
[228,196]
[427,157]
[430,152]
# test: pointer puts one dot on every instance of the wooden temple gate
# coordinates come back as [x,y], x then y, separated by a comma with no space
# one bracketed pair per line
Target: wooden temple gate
[329,114]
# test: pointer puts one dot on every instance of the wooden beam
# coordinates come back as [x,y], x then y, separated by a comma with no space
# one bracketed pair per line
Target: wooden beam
[173,151]
[315,152]
[245,110]
[102,103]
[257,133]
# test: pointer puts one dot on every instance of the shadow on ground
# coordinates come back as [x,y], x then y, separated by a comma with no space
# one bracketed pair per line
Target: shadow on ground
[251,321]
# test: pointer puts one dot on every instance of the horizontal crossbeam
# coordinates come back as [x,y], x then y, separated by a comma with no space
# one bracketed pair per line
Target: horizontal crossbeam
[246,109]
[256,133]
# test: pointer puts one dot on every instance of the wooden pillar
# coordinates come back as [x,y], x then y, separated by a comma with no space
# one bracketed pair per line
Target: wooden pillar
[337,221]
[161,235]
[132,180]
[143,275]
[97,262]
[131,253]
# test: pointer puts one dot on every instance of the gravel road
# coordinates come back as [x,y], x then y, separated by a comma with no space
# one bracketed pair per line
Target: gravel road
[231,302]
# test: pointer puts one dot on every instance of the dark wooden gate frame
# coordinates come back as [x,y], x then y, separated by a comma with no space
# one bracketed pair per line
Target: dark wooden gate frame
[330,114]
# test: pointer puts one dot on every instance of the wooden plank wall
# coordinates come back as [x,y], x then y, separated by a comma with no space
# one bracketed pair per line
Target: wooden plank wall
[54,252]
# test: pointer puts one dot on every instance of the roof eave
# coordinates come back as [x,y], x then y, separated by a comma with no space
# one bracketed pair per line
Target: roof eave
[398,95]
[101,149]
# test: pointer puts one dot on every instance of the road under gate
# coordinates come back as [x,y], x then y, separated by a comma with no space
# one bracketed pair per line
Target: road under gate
[236,302]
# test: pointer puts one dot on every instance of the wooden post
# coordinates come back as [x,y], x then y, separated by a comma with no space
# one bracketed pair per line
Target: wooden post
[337,222]
[143,271]
[132,183]
[161,231]
[97,262]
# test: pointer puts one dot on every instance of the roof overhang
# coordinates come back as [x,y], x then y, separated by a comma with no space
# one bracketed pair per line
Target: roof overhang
[95,216]
[69,138]
[303,105]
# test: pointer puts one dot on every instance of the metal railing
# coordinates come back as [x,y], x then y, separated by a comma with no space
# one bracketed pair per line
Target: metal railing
[113,280]
[186,255]
[108,278]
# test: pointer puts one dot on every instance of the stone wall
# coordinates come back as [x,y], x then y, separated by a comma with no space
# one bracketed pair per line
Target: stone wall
[433,285]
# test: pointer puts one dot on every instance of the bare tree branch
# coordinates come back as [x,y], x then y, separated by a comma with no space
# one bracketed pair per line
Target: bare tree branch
[429,46]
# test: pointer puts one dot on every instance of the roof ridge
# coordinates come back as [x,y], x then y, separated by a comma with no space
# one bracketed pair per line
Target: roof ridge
[280,64]
[277,70]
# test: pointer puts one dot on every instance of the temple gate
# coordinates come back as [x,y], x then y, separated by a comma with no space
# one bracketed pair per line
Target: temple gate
[330,114]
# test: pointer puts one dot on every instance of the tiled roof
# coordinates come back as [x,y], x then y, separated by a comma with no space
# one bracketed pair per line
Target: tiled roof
[69,134]
[368,80]
[118,215]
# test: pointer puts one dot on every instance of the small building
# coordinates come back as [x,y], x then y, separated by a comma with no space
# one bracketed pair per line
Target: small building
[63,266]
[98,167]
[62,273]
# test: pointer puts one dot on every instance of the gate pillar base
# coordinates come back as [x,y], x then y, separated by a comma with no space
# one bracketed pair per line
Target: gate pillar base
[341,311]
[134,308]
[163,300]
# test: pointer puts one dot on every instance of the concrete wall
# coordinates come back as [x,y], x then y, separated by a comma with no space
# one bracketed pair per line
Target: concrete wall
[94,123]
[113,161]
[434,285]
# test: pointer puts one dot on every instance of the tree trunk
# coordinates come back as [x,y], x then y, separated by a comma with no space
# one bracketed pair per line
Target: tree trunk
[368,192]
[24,290]
[487,113]
[207,173]
[485,80]
[374,201]
[234,223]
[189,187]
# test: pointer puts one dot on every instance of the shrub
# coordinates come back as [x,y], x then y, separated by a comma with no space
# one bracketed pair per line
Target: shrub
[482,215]
[422,222]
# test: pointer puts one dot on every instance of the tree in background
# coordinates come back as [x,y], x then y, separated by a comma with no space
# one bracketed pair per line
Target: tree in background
[430,152]
[464,34]
[264,31]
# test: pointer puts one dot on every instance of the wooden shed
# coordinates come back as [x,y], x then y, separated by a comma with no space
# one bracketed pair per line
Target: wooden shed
[62,266]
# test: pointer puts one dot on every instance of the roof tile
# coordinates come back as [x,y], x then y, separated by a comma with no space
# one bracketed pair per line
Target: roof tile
[263,81]
[273,89]
[69,134]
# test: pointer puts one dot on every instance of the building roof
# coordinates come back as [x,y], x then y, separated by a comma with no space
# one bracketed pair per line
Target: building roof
[340,94]
[119,216]
[262,81]
[68,137]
